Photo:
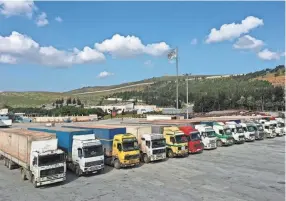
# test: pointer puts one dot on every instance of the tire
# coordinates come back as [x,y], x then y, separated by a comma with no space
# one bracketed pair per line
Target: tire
[9,165]
[34,182]
[101,171]
[78,171]
[170,153]
[5,162]
[117,164]
[23,174]
[146,159]
[1,157]
[219,143]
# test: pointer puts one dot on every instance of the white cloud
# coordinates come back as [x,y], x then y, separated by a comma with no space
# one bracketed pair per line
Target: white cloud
[42,20]
[17,8]
[58,19]
[231,31]
[8,59]
[129,46]
[194,41]
[148,63]
[248,42]
[268,55]
[104,74]
[25,49]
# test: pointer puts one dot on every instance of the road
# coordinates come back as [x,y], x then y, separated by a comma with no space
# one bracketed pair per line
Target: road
[252,171]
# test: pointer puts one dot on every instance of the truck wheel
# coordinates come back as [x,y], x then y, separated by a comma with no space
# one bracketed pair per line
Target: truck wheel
[219,143]
[101,171]
[5,162]
[146,158]
[170,153]
[78,171]
[34,182]
[117,164]
[23,174]
[1,157]
[9,164]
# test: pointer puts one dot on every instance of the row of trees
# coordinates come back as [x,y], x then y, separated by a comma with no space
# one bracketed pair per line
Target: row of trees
[62,111]
[216,94]
[68,101]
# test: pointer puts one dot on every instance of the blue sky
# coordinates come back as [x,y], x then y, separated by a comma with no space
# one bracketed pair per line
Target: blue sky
[59,46]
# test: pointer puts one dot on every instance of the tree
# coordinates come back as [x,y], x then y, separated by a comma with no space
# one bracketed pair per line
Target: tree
[241,101]
[250,102]
[78,101]
[74,101]
[69,101]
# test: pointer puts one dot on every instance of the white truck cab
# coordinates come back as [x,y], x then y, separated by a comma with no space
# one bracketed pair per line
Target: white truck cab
[208,136]
[152,147]
[237,132]
[87,154]
[47,163]
[269,129]
[281,125]
[249,131]
[278,130]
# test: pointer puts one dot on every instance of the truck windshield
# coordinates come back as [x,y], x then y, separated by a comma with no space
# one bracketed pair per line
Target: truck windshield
[209,134]
[240,130]
[158,143]
[51,159]
[181,138]
[260,128]
[195,136]
[250,128]
[130,146]
[280,125]
[92,151]
[227,131]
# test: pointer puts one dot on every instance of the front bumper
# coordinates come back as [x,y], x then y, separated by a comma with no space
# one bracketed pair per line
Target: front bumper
[210,146]
[182,152]
[49,181]
[227,142]
[129,163]
[158,157]
[93,168]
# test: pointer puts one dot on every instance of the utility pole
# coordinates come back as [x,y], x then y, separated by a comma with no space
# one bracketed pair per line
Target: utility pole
[177,68]
[187,96]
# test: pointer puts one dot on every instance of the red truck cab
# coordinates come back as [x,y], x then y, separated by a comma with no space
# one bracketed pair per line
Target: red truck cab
[194,140]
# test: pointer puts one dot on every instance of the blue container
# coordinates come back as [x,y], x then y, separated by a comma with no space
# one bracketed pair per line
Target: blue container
[208,123]
[105,135]
[64,136]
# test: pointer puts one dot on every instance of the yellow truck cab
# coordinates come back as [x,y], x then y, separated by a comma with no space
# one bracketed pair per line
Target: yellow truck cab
[125,150]
[176,142]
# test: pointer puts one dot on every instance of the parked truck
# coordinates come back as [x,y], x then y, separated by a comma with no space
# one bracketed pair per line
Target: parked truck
[207,135]
[195,143]
[223,134]
[259,131]
[278,130]
[84,152]
[249,131]
[269,129]
[120,148]
[237,132]
[152,145]
[176,140]
[281,125]
[36,153]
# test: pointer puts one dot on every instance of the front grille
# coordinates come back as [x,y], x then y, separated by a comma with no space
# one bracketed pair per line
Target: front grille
[159,151]
[212,141]
[93,163]
[130,157]
[50,172]
[251,135]
[198,145]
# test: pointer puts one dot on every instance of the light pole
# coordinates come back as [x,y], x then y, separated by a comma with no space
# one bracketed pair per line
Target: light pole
[177,68]
[187,97]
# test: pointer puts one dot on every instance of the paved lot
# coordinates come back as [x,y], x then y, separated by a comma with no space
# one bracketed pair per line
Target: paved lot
[252,171]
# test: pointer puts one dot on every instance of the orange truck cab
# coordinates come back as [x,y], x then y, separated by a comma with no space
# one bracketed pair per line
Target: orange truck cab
[194,140]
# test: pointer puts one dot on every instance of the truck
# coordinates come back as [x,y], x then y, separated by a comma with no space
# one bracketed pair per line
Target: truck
[120,148]
[281,124]
[259,131]
[207,135]
[278,130]
[249,131]
[84,152]
[152,145]
[35,153]
[237,132]
[223,134]
[195,143]
[176,140]
[269,129]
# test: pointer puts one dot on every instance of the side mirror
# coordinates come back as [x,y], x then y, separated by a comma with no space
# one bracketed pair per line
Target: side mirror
[34,161]
[79,152]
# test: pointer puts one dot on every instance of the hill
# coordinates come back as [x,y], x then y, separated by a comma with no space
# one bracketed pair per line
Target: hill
[95,95]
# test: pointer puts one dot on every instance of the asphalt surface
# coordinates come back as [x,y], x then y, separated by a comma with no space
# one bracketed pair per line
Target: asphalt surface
[251,171]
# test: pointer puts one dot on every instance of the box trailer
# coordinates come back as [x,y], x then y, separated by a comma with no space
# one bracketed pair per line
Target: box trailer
[36,153]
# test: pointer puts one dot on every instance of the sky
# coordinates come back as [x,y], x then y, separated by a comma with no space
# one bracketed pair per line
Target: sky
[60,46]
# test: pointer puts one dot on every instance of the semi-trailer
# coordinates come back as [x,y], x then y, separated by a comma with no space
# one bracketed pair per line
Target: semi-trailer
[278,130]
[152,145]
[120,148]
[249,131]
[36,153]
[84,152]
[237,132]
[281,125]
[195,143]
[269,129]
[259,131]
